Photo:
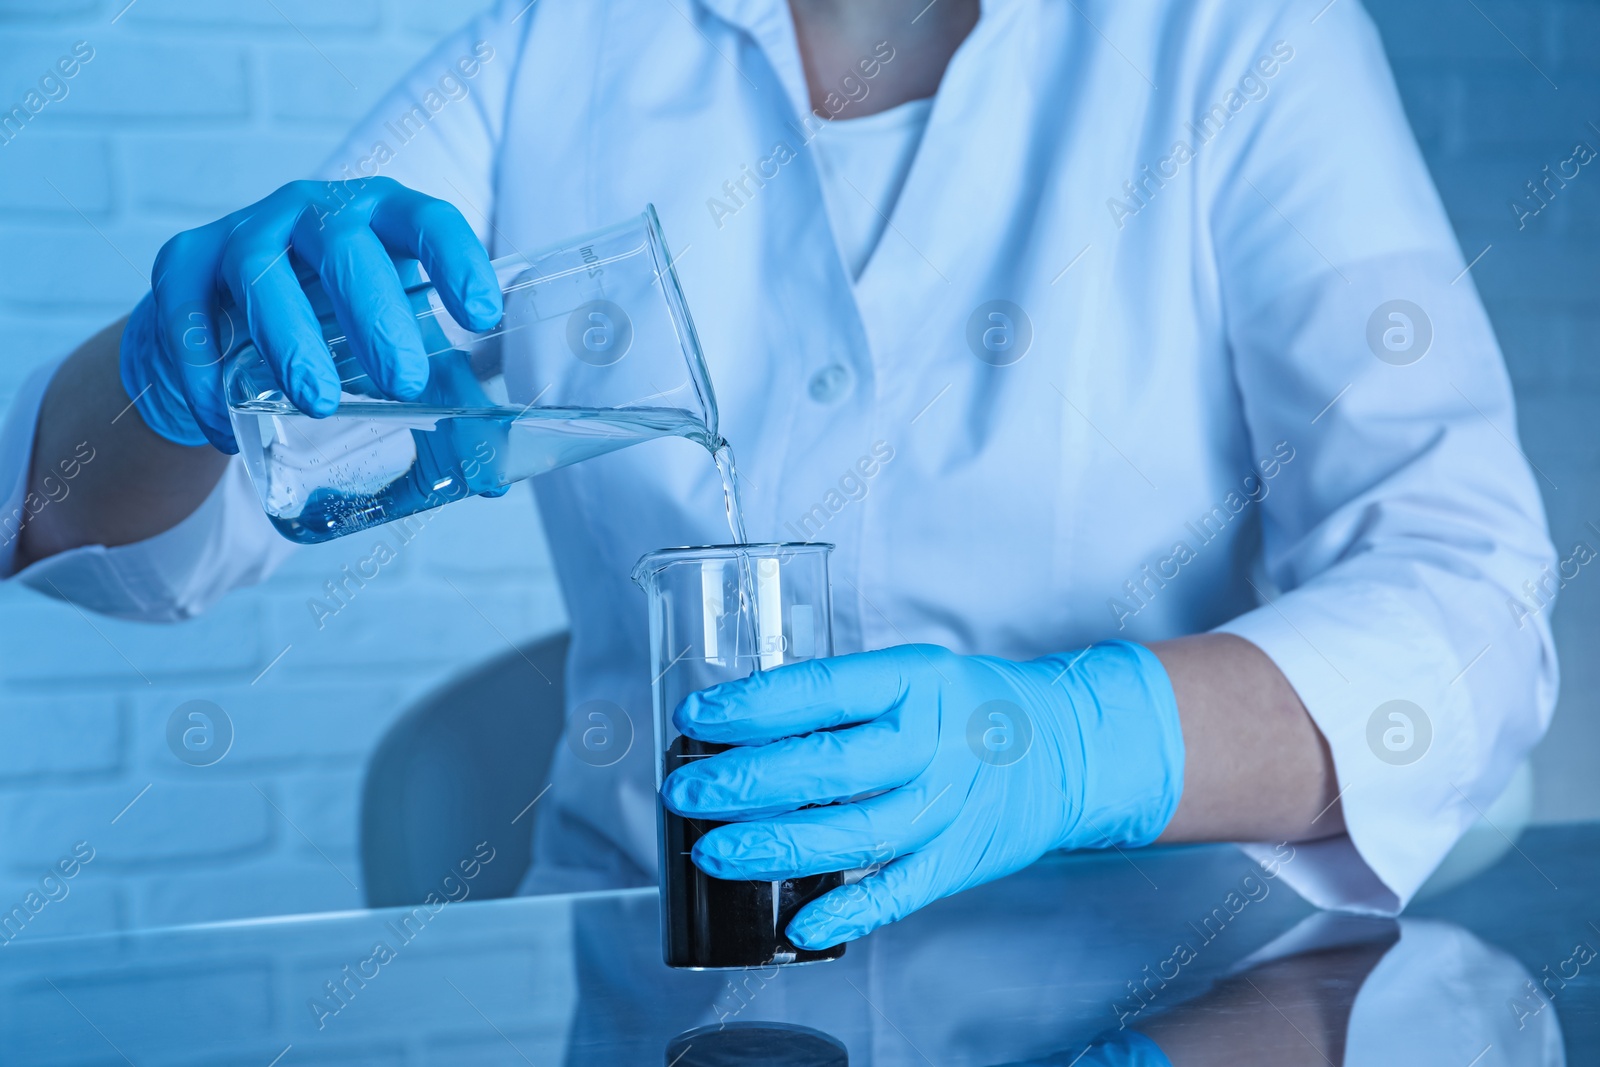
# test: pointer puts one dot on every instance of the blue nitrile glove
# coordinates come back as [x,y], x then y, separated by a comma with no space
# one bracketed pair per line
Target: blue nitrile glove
[458,456]
[1126,1048]
[940,772]
[347,232]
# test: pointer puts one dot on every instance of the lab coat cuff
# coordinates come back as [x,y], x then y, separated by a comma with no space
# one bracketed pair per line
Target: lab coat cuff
[16,460]
[1349,649]
[1329,873]
[224,543]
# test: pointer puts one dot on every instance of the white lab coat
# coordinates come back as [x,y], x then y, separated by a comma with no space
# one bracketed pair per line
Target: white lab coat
[1198,436]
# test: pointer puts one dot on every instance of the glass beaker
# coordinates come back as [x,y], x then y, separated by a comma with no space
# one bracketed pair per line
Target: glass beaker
[716,615]
[596,351]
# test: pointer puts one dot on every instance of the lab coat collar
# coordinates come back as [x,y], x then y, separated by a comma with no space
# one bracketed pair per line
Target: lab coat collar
[771,25]
[747,14]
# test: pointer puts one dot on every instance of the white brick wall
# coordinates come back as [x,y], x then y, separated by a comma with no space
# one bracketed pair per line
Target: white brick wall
[189,109]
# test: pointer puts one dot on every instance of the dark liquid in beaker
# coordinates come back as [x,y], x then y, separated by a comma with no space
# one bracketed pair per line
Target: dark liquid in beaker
[709,922]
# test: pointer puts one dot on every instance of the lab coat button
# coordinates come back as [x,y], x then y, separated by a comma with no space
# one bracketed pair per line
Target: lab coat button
[830,384]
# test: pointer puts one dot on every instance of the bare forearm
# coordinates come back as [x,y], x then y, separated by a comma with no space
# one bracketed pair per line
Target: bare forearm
[136,485]
[1256,767]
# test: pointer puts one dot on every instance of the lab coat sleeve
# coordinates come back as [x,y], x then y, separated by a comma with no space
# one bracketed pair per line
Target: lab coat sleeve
[226,542]
[1438,995]
[438,131]
[1442,995]
[1397,544]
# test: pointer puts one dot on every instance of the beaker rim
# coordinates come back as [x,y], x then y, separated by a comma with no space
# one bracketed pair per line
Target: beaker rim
[651,562]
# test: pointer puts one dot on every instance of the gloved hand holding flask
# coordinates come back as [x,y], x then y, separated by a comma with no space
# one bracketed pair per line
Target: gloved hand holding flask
[348,234]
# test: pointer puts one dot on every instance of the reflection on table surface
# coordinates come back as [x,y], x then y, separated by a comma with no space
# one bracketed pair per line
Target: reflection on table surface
[1087,959]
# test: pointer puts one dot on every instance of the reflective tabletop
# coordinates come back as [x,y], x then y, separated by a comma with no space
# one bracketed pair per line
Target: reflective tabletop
[1084,959]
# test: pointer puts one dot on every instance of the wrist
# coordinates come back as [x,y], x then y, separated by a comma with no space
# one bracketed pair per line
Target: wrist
[1122,743]
[1126,1048]
[151,384]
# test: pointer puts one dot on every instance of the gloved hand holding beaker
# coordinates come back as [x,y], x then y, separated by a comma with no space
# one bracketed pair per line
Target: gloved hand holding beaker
[348,233]
[935,771]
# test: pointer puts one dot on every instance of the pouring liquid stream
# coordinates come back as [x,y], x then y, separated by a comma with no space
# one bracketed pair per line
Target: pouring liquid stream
[722,456]
[731,924]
